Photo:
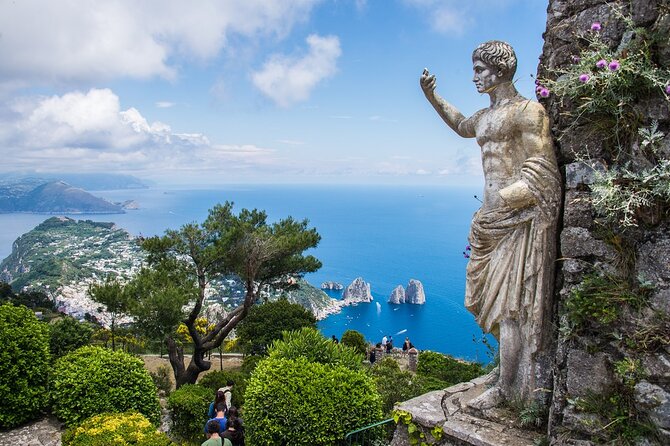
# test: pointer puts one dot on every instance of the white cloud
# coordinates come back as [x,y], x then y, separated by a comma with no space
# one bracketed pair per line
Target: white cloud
[165,104]
[453,16]
[89,132]
[288,79]
[75,40]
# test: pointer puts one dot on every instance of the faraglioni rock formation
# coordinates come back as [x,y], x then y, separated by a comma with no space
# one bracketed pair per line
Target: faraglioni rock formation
[357,291]
[414,293]
[397,295]
[332,286]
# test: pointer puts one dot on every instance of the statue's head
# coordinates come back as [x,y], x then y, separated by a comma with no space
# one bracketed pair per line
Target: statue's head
[493,62]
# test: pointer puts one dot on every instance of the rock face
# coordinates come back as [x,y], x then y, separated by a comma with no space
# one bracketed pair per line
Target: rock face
[585,360]
[357,291]
[414,293]
[397,295]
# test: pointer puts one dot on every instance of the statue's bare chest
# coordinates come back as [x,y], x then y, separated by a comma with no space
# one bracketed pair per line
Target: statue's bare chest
[496,126]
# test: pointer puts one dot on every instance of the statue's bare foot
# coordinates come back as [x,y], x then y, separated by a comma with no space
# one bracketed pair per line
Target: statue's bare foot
[489,399]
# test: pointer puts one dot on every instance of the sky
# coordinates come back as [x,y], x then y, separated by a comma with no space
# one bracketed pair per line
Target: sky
[214,92]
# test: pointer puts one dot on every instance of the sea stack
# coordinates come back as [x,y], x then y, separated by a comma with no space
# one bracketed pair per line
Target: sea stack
[357,291]
[332,286]
[397,295]
[414,293]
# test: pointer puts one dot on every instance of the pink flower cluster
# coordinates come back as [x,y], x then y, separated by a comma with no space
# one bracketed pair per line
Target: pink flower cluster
[613,65]
[542,91]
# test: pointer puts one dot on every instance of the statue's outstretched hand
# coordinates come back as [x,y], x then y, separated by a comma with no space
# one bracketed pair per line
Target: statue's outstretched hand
[428,83]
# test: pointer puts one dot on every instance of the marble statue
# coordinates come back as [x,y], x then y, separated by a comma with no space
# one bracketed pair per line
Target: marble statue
[509,281]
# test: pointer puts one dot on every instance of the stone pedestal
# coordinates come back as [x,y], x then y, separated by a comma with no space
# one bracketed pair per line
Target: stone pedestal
[461,425]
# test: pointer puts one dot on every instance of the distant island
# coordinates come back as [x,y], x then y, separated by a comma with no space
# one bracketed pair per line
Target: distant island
[53,197]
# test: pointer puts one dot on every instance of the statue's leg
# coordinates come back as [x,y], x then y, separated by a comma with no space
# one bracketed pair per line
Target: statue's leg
[509,343]
[510,350]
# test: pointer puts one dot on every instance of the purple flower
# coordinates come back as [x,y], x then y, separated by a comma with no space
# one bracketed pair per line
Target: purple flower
[467,247]
[602,63]
[576,59]
[595,26]
[544,92]
[537,82]
[667,89]
[584,78]
[614,65]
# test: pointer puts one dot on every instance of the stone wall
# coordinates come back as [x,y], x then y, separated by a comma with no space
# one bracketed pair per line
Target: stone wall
[621,366]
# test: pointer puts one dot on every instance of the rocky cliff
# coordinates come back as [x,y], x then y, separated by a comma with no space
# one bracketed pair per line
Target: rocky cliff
[606,65]
[357,291]
[397,295]
[414,293]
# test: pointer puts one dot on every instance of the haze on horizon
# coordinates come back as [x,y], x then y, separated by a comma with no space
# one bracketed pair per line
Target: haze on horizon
[249,91]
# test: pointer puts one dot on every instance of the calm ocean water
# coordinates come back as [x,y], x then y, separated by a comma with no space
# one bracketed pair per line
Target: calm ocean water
[387,235]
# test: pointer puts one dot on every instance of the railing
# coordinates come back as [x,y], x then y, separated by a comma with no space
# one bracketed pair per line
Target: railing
[365,436]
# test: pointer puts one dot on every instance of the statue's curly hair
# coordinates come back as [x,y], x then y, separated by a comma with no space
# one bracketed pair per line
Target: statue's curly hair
[497,53]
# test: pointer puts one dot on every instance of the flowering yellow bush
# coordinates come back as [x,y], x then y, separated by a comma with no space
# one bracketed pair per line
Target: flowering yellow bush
[129,428]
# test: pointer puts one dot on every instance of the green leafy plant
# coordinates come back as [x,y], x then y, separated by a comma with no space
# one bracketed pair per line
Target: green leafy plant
[24,365]
[393,384]
[310,344]
[598,301]
[249,364]
[161,379]
[447,369]
[68,334]
[629,371]
[216,380]
[130,428]
[93,380]
[355,340]
[415,432]
[623,195]
[188,407]
[265,323]
[619,423]
[298,402]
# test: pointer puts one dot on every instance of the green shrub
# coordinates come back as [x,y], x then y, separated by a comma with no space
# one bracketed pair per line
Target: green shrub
[298,402]
[188,411]
[393,384]
[162,378]
[447,369]
[93,380]
[218,379]
[308,343]
[24,365]
[249,363]
[265,323]
[68,334]
[130,428]
[355,340]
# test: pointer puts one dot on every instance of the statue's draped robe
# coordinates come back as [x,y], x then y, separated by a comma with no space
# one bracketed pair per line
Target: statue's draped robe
[510,272]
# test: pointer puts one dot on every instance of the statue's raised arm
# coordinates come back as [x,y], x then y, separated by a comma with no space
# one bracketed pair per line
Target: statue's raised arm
[450,114]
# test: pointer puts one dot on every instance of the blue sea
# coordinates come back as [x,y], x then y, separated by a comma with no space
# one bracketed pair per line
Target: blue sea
[385,234]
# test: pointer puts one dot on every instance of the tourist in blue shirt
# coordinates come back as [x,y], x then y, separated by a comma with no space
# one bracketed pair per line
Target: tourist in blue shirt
[220,418]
